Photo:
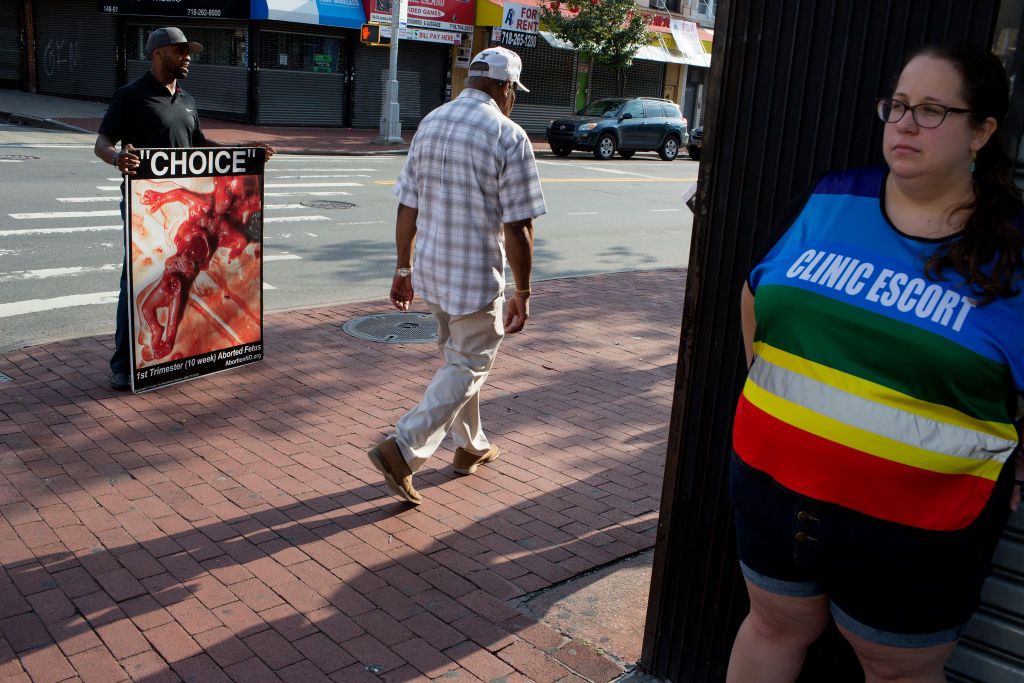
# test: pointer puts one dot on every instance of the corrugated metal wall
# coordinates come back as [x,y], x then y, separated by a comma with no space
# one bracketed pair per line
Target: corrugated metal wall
[76,49]
[992,649]
[644,78]
[11,69]
[550,74]
[792,90]
[300,97]
[421,79]
[216,88]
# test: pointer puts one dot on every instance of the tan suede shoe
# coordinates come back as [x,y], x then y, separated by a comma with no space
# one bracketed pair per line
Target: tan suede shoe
[387,458]
[466,462]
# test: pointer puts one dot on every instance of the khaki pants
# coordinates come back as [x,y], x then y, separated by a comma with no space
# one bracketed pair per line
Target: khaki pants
[468,344]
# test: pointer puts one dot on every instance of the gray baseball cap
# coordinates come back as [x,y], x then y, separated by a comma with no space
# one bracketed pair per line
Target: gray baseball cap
[169,35]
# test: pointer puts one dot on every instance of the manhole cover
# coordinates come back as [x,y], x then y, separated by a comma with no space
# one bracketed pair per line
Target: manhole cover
[16,157]
[326,204]
[394,328]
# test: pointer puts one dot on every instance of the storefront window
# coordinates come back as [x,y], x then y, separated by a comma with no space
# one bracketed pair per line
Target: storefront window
[297,52]
[222,46]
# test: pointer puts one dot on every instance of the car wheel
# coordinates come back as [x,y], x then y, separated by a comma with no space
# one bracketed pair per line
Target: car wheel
[694,153]
[669,149]
[626,153]
[561,150]
[605,148]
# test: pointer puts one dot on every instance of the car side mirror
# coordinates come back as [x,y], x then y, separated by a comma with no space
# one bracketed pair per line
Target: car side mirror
[625,116]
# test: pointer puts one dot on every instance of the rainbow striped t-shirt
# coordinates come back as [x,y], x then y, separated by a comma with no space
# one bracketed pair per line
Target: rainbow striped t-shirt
[872,386]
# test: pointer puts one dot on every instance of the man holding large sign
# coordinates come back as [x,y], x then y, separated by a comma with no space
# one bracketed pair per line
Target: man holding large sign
[150,112]
[195,230]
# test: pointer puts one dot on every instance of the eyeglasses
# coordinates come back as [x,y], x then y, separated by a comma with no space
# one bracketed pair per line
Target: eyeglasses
[926,115]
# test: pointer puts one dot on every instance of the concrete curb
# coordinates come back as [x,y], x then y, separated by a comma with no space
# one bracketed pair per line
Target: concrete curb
[40,122]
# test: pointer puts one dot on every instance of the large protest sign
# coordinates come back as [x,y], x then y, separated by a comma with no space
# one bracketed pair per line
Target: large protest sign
[194,225]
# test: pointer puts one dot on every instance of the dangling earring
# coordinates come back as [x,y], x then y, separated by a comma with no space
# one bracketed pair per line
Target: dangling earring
[974,155]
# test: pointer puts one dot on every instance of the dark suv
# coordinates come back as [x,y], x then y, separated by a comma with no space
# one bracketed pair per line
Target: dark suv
[696,142]
[624,124]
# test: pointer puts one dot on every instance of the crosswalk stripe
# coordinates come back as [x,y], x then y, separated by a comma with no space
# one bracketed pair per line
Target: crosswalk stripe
[44,273]
[39,305]
[326,175]
[294,219]
[65,214]
[57,231]
[324,193]
[281,185]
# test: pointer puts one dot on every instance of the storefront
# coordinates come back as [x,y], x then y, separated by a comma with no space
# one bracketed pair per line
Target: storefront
[560,83]
[12,63]
[302,56]
[436,31]
[218,77]
[75,49]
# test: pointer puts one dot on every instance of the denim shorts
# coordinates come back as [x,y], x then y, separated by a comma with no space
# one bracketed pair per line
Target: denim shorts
[888,583]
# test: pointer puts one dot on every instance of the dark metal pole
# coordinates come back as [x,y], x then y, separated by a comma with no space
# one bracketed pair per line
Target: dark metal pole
[791,92]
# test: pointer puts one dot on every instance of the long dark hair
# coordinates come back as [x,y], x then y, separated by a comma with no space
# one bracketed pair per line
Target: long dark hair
[990,252]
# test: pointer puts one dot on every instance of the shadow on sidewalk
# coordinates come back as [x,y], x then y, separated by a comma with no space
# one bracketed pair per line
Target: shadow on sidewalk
[291,585]
[233,524]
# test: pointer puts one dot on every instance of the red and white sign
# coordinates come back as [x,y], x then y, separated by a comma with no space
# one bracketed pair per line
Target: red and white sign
[442,15]
[427,35]
[521,18]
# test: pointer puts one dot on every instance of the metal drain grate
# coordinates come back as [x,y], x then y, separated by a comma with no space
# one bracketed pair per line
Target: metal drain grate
[16,157]
[394,328]
[326,204]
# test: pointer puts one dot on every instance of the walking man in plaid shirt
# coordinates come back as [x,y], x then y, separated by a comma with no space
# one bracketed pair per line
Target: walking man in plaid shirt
[467,196]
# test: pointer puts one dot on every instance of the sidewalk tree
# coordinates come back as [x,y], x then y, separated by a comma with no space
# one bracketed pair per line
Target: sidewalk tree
[605,32]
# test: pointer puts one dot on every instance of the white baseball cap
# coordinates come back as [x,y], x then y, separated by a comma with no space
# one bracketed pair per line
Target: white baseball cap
[498,63]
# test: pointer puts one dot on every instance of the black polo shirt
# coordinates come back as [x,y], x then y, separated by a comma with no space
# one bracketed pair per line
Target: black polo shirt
[143,113]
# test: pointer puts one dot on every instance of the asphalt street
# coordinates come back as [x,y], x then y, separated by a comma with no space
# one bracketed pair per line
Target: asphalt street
[61,238]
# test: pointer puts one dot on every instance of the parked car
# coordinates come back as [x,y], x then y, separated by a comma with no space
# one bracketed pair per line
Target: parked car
[623,124]
[696,143]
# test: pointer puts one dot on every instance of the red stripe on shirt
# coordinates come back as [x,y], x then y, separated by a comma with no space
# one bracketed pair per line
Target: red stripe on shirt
[825,470]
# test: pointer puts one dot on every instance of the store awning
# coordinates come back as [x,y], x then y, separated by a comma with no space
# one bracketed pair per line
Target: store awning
[343,13]
[706,36]
[663,50]
[688,42]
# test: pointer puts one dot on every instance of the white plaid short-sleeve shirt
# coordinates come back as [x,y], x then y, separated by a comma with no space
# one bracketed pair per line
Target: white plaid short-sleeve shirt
[470,169]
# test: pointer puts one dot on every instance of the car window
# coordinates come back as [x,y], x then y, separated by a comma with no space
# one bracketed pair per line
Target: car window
[602,108]
[636,108]
[672,110]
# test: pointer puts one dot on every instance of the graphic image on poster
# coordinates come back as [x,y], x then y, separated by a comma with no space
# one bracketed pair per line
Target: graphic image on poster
[195,266]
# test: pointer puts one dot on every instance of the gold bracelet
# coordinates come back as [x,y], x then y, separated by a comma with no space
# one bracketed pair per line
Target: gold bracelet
[523,291]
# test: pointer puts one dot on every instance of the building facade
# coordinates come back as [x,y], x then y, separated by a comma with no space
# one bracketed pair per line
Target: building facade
[279,63]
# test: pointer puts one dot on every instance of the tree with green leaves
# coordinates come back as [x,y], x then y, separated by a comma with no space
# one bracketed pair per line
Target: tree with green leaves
[605,32]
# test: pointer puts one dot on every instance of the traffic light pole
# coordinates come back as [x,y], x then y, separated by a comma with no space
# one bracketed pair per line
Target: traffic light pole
[390,123]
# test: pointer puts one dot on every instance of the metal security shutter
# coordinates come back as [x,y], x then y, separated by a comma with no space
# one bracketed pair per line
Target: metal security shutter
[644,78]
[992,648]
[11,69]
[218,78]
[550,74]
[421,79]
[535,118]
[76,49]
[301,98]
[216,89]
[302,76]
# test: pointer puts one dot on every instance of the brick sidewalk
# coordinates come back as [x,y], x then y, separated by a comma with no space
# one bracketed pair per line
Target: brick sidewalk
[232,528]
